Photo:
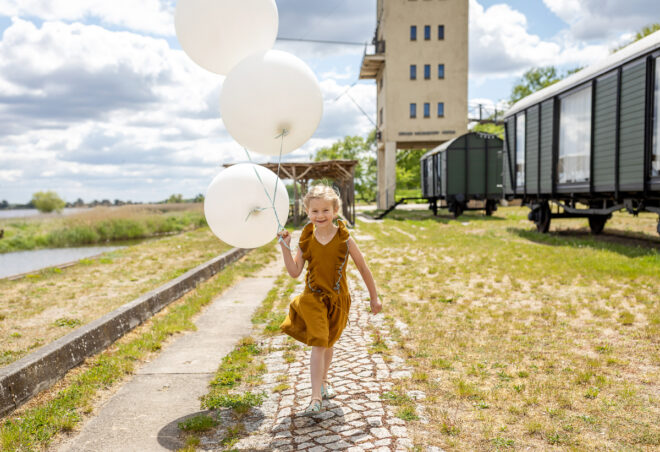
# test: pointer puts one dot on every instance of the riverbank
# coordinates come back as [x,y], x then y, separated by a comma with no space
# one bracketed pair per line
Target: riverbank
[48,304]
[99,225]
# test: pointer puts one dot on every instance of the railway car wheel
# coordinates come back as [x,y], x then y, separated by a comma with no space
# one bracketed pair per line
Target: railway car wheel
[541,217]
[456,209]
[597,223]
[490,208]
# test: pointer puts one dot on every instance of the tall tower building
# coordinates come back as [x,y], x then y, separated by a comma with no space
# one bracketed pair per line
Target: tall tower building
[420,64]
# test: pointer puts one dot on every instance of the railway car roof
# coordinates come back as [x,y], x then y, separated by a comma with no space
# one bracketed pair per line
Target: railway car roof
[446,145]
[624,55]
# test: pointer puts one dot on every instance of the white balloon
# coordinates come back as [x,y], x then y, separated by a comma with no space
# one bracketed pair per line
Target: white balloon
[237,208]
[269,92]
[217,34]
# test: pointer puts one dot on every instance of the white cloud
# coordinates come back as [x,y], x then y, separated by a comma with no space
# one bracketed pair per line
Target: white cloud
[501,46]
[94,113]
[604,19]
[150,16]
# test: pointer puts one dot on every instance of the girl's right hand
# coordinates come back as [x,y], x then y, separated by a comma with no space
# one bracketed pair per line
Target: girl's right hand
[284,234]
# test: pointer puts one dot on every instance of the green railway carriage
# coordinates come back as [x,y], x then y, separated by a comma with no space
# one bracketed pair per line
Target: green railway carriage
[466,168]
[589,145]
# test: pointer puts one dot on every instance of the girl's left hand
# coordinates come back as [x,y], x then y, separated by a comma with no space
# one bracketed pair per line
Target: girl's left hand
[376,306]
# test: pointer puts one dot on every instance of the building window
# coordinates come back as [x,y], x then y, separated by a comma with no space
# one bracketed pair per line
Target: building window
[413,72]
[413,110]
[413,32]
[575,137]
[520,150]
[427,71]
[427,110]
[655,156]
[441,71]
[441,109]
[441,32]
[427,32]
[380,117]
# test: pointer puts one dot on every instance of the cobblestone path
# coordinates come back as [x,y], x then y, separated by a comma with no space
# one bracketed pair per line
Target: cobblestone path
[356,420]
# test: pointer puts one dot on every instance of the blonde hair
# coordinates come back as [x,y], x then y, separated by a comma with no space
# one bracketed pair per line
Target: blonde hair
[323,192]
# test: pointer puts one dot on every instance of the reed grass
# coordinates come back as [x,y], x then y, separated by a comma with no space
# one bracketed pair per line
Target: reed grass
[99,225]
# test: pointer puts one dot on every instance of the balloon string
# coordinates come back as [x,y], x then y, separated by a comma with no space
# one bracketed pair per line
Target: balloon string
[256,209]
[279,163]
[271,199]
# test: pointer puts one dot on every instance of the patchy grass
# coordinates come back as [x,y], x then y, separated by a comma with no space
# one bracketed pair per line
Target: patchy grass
[47,305]
[522,340]
[61,408]
[406,409]
[238,366]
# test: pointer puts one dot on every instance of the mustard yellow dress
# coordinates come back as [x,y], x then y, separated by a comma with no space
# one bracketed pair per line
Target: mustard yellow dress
[318,315]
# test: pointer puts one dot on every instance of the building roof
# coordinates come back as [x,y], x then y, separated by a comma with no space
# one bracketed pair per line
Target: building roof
[328,169]
[624,55]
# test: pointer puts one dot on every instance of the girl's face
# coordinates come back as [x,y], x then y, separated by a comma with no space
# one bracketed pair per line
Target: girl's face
[321,212]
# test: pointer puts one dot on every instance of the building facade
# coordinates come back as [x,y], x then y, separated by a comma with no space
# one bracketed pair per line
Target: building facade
[420,65]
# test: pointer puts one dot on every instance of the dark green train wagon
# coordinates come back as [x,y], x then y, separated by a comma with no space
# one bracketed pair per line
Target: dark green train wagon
[589,145]
[466,168]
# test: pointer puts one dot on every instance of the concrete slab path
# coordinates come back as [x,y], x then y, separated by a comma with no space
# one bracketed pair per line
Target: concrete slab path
[143,415]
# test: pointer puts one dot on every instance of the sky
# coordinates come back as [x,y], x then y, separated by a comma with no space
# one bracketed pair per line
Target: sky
[98,101]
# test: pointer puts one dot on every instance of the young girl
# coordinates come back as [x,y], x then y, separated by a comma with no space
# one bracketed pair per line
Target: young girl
[318,316]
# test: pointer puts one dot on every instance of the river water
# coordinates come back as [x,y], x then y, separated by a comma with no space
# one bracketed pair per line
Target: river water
[28,261]
[26,213]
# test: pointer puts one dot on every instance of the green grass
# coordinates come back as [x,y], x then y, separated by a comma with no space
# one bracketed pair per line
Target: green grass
[406,407]
[35,428]
[240,403]
[199,423]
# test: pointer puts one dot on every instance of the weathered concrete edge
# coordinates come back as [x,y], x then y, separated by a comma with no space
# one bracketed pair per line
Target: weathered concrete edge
[23,379]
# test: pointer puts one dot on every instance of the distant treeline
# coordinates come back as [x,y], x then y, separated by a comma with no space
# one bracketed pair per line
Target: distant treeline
[176,198]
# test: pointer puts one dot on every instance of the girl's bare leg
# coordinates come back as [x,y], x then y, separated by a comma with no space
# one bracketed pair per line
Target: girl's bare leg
[327,360]
[316,365]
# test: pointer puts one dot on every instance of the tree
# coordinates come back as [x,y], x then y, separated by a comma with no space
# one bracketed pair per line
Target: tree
[173,199]
[489,127]
[4,204]
[47,201]
[408,174]
[533,80]
[362,150]
[199,198]
[644,32]
[537,78]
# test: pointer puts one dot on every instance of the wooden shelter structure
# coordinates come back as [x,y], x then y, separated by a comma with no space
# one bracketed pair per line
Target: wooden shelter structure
[341,172]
